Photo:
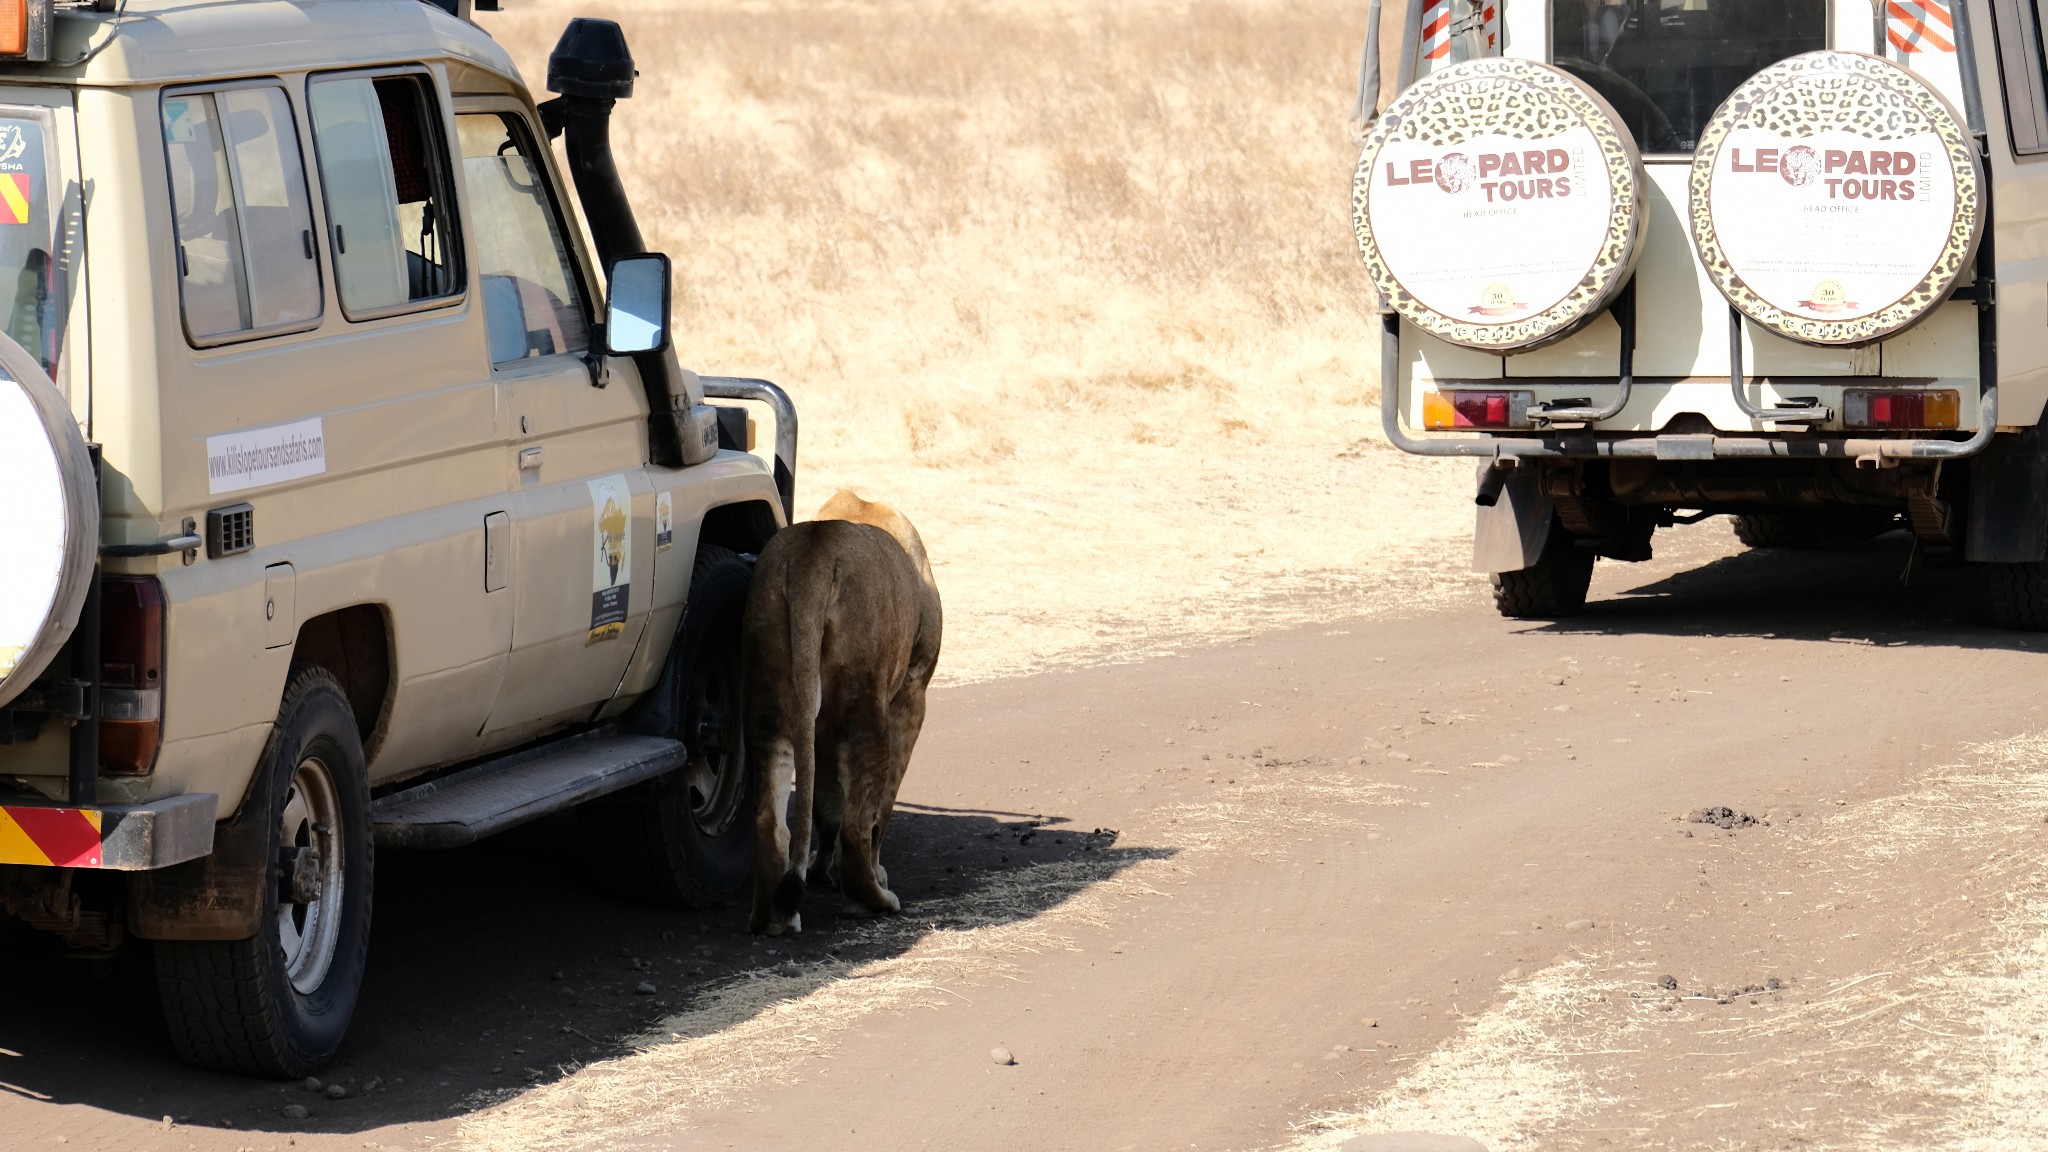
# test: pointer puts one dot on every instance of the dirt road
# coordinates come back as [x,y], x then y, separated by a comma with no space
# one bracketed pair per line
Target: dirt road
[1429,873]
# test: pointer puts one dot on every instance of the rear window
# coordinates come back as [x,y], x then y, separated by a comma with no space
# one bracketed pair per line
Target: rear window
[39,236]
[1666,65]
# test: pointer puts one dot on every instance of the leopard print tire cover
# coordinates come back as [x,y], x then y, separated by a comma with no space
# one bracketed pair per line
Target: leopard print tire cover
[1836,198]
[1498,204]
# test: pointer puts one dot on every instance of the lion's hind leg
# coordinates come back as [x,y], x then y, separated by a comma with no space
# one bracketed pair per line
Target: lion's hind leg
[865,753]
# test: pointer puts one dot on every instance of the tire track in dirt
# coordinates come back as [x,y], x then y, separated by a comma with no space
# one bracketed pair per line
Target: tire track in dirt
[1911,1014]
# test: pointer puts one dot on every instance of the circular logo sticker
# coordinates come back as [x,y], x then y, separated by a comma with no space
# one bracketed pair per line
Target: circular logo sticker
[1498,204]
[1836,198]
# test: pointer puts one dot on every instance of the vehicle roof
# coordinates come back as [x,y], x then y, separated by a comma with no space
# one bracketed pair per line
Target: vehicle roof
[177,41]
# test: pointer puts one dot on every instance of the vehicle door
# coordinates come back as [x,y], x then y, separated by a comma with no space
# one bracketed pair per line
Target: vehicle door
[581,507]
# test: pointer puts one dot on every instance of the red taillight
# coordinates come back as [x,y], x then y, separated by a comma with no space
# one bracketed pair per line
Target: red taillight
[1902,408]
[1469,409]
[131,674]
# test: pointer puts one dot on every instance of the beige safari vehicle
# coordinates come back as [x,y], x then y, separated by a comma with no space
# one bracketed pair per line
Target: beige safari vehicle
[343,510]
[1648,261]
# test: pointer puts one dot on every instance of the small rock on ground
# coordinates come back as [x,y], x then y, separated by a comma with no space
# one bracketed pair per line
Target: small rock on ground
[1722,817]
[312,1084]
[336,1092]
[1002,1056]
[1411,1142]
[644,988]
[296,1112]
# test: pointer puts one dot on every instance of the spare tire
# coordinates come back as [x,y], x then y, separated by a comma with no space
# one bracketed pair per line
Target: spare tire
[49,517]
[1499,204]
[1836,198]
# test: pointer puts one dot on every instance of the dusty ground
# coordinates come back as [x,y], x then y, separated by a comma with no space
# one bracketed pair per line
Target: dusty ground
[1426,871]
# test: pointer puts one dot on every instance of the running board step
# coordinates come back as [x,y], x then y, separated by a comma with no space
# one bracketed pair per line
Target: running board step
[467,806]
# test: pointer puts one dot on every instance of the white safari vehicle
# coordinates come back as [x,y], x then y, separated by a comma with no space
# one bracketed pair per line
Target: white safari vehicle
[341,510]
[1653,260]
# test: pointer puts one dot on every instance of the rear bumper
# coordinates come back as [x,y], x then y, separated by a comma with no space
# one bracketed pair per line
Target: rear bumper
[116,837]
[1586,444]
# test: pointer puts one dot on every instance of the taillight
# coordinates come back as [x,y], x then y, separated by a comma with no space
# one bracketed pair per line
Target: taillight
[131,674]
[1470,409]
[1901,408]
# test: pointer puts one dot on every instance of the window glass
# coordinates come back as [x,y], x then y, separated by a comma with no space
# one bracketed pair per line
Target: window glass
[531,298]
[1666,65]
[388,207]
[213,282]
[245,224]
[276,213]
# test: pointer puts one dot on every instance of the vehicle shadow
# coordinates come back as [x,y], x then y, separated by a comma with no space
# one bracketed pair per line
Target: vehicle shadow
[1864,592]
[500,966]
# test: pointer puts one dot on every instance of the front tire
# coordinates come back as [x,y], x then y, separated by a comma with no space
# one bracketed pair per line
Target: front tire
[278,1004]
[686,839]
[1552,587]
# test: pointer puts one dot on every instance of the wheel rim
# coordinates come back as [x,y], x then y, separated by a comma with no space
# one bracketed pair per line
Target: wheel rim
[714,779]
[309,920]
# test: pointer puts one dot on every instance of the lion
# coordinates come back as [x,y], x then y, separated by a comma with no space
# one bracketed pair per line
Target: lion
[841,635]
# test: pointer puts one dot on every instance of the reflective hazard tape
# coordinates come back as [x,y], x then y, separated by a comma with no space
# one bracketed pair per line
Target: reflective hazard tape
[60,837]
[1440,26]
[1919,25]
[14,193]
[1436,29]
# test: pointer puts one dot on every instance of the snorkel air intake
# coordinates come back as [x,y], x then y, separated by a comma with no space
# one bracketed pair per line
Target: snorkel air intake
[592,69]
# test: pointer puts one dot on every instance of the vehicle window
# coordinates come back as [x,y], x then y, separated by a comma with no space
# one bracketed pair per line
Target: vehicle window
[1666,65]
[2017,26]
[244,220]
[390,216]
[39,236]
[531,297]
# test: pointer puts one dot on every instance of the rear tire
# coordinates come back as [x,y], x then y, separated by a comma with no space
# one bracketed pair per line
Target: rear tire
[278,1004]
[2019,595]
[1554,586]
[686,839]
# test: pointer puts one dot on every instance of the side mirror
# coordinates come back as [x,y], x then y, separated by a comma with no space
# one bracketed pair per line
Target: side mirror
[636,317]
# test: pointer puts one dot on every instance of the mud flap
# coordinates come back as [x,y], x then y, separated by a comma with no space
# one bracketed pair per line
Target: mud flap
[1509,535]
[220,895]
[2009,500]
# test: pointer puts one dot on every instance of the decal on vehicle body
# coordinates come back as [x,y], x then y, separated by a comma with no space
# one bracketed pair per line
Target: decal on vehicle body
[611,571]
[255,457]
[664,522]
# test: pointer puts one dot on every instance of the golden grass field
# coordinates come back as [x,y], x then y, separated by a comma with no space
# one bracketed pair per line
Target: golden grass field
[1071,283]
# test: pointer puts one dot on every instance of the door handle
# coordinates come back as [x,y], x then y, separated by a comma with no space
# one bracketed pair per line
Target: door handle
[529,459]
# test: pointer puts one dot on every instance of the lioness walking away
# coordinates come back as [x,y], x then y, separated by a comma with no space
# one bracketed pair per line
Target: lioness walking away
[841,635]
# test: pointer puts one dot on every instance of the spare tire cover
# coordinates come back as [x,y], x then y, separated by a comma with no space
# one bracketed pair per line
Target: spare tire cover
[1836,198]
[1499,204]
[49,518]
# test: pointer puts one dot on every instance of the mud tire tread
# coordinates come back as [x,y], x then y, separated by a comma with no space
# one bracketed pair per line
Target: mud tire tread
[1554,586]
[221,1004]
[2018,595]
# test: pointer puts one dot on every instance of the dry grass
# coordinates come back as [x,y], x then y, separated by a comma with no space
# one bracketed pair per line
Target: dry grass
[1072,284]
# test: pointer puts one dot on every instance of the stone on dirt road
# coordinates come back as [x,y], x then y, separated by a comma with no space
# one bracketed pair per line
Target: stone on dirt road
[296,1112]
[1002,1056]
[1411,1142]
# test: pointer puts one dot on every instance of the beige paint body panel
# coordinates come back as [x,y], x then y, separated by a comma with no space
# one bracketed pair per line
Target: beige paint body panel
[422,437]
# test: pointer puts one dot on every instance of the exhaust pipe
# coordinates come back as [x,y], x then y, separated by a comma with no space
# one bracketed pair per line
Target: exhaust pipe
[591,69]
